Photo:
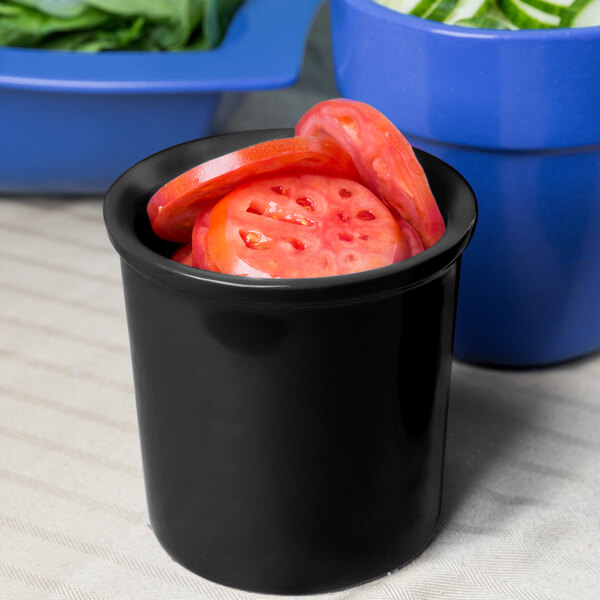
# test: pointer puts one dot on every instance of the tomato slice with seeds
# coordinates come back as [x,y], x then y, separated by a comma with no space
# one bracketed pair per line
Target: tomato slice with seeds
[303,226]
[183,255]
[173,209]
[385,160]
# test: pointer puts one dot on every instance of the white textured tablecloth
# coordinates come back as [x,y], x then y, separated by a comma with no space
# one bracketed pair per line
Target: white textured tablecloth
[522,485]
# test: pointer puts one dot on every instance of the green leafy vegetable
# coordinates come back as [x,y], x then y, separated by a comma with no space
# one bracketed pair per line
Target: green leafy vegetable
[94,25]
[64,9]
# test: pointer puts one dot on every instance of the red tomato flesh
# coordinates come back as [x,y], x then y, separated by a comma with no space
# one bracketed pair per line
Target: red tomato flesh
[385,160]
[183,255]
[199,257]
[175,206]
[303,226]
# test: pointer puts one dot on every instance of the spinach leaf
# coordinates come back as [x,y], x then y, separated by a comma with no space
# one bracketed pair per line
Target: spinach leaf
[27,27]
[95,25]
[64,9]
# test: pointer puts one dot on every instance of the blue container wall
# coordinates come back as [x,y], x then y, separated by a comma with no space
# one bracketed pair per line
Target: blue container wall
[80,143]
[517,113]
[530,284]
[515,90]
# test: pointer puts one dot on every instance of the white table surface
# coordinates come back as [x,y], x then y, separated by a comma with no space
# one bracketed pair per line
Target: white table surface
[521,507]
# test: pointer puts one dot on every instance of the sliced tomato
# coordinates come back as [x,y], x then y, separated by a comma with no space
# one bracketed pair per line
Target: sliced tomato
[303,226]
[174,207]
[384,158]
[199,258]
[412,238]
[183,255]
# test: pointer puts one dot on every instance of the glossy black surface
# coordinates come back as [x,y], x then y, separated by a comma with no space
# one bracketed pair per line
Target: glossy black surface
[292,431]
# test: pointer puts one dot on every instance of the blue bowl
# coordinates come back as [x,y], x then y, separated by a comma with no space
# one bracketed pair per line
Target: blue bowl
[71,123]
[518,114]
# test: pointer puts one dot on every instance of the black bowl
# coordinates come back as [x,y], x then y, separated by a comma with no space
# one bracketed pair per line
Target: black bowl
[292,430]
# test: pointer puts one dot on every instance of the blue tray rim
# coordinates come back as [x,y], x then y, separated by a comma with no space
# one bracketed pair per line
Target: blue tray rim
[262,49]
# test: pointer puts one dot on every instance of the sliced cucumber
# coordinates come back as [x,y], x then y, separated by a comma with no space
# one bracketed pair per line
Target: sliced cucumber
[582,13]
[440,10]
[527,17]
[496,14]
[403,6]
[552,7]
[489,14]
[423,7]
[467,9]
[483,22]
[588,16]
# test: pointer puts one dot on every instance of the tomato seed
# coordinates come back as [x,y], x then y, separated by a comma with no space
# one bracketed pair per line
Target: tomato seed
[255,240]
[278,213]
[297,244]
[366,215]
[364,236]
[343,218]
[345,237]
[349,258]
[305,203]
[282,191]
[344,193]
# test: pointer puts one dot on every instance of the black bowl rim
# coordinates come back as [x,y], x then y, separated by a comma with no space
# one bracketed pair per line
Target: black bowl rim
[460,217]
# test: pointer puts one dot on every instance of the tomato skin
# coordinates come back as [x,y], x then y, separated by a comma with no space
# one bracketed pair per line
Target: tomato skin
[183,255]
[173,209]
[385,160]
[199,257]
[412,238]
[303,226]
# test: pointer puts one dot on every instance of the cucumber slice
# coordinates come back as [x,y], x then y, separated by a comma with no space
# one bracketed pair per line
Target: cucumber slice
[496,14]
[527,17]
[467,9]
[440,10]
[552,7]
[493,14]
[483,22]
[421,8]
[582,13]
[403,6]
[588,16]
